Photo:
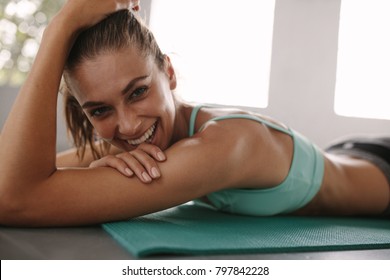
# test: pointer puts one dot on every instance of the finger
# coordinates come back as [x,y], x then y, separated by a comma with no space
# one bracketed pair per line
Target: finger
[153,151]
[124,4]
[113,162]
[135,5]
[148,162]
[144,166]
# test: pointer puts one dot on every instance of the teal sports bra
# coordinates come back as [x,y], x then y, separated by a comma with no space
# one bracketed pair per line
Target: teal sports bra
[299,187]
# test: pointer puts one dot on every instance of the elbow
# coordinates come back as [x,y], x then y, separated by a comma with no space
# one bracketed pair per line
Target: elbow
[10,206]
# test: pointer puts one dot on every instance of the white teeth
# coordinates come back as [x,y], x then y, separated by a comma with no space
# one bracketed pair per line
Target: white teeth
[144,137]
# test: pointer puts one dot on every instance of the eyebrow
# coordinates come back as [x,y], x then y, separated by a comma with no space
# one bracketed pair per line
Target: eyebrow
[126,89]
[132,83]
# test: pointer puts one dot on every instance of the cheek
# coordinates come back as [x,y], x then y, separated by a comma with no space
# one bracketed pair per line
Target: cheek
[165,97]
[104,129]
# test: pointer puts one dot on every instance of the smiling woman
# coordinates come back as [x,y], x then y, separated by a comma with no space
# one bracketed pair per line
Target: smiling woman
[109,67]
[119,87]
[113,108]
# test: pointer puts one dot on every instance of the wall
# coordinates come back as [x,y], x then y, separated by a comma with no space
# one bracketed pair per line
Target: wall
[303,72]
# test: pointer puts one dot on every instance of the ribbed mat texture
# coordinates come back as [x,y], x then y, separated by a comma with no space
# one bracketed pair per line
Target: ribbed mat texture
[196,230]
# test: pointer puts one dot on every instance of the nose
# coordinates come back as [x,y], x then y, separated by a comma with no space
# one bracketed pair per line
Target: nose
[128,122]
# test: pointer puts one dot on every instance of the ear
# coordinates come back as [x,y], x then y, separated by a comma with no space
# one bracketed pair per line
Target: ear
[170,71]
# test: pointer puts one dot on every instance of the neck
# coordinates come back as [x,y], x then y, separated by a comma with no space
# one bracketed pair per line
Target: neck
[182,120]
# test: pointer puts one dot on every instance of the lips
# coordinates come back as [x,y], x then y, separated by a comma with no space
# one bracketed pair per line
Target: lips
[148,135]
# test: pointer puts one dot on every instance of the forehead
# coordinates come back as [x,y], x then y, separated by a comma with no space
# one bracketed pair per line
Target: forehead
[110,72]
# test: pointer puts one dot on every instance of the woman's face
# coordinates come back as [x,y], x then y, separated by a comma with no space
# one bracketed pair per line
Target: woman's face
[127,98]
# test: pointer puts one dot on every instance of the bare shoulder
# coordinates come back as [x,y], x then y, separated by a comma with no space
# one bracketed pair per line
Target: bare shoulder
[261,155]
[208,113]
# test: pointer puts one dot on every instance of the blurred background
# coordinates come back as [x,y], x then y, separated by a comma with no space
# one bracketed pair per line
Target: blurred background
[320,66]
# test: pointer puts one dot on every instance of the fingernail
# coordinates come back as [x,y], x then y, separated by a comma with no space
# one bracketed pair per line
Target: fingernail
[146,177]
[155,173]
[129,172]
[160,156]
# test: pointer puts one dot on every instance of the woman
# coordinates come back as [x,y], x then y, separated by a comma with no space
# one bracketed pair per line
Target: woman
[119,87]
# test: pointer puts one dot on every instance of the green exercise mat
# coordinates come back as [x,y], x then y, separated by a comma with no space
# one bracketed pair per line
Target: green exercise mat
[196,230]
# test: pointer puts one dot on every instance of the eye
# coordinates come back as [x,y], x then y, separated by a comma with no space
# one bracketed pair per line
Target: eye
[99,112]
[138,93]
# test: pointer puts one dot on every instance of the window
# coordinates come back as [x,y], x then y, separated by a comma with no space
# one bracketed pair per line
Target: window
[21,26]
[363,76]
[221,49]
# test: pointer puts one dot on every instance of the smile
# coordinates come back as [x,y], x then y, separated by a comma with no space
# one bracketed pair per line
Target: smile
[146,137]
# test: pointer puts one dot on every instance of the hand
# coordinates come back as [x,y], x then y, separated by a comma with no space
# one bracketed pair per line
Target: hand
[141,162]
[135,5]
[86,13]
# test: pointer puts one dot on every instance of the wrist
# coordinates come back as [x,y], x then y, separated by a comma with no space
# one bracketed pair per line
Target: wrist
[61,31]
[65,22]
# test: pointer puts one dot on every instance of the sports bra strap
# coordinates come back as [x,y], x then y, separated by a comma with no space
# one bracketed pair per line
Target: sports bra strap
[194,113]
[196,109]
